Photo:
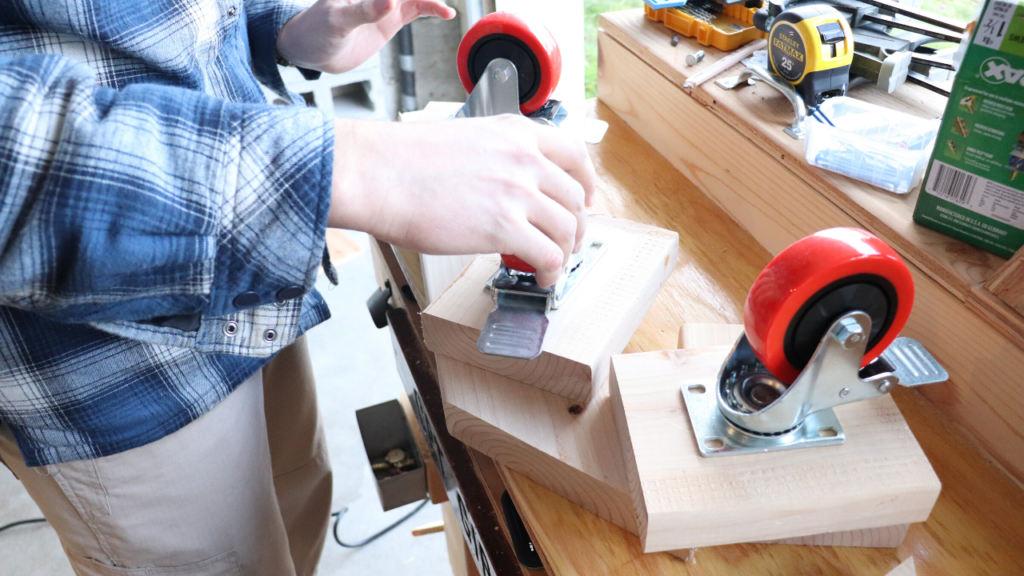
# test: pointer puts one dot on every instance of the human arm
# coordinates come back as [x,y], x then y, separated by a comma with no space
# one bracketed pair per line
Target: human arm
[152,201]
[501,184]
[156,201]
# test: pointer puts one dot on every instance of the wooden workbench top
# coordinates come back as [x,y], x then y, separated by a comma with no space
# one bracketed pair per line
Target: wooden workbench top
[762,113]
[977,526]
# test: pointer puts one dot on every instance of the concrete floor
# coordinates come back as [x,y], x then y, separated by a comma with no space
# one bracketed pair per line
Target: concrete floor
[354,366]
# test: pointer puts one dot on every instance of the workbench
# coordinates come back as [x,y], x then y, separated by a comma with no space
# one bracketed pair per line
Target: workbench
[972,437]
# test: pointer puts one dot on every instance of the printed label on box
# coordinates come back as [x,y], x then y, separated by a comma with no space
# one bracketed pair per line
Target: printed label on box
[976,193]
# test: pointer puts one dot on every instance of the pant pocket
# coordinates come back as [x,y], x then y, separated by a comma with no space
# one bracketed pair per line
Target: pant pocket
[223,565]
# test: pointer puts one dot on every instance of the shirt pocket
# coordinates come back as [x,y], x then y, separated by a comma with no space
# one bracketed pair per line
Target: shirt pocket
[222,565]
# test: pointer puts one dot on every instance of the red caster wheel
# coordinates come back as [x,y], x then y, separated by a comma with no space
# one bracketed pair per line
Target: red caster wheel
[810,284]
[531,47]
[517,263]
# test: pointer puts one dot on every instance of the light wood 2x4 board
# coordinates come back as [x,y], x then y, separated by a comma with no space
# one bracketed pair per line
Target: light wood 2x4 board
[596,320]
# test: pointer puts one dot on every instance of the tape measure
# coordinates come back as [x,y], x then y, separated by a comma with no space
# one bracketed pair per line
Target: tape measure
[811,47]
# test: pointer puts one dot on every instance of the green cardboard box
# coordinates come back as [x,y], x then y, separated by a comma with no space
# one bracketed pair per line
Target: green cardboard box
[973,189]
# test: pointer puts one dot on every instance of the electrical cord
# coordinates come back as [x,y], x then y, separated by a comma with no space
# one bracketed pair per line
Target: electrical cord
[337,518]
[21,522]
[819,115]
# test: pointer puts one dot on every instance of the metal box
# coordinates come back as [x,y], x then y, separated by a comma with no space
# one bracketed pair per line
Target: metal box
[384,427]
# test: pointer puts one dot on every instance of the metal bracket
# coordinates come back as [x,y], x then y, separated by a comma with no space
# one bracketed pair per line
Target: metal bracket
[752,411]
[518,323]
[796,130]
[578,267]
[495,93]
[516,326]
[716,436]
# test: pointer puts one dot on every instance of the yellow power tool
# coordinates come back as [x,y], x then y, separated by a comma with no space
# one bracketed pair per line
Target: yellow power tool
[810,46]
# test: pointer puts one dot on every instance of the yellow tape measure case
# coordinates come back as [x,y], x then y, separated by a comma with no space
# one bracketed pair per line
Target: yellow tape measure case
[812,48]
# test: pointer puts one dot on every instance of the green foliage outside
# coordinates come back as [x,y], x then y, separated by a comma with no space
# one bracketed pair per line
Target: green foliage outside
[962,10]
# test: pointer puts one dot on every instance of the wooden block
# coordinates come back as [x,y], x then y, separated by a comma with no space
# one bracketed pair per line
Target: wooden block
[440,271]
[702,335]
[596,321]
[882,537]
[409,262]
[878,477]
[568,447]
[985,394]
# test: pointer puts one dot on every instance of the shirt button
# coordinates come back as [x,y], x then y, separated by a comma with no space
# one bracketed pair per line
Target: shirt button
[231,11]
[231,328]
[246,300]
[270,335]
[289,293]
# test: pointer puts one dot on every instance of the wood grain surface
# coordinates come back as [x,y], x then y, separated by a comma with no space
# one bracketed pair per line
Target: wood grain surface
[877,478]
[776,206]
[593,323]
[568,447]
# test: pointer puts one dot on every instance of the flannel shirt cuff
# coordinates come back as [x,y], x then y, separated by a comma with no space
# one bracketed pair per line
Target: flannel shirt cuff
[265,18]
[272,236]
[274,228]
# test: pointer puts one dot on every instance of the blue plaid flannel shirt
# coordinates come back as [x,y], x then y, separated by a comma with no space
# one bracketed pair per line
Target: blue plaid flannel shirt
[161,225]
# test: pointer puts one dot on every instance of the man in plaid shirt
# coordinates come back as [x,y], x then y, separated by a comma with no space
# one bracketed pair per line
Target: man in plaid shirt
[161,227]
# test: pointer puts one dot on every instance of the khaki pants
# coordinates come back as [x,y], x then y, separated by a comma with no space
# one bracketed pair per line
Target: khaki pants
[243,490]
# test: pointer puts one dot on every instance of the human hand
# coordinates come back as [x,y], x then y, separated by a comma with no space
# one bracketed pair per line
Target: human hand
[336,36]
[498,184]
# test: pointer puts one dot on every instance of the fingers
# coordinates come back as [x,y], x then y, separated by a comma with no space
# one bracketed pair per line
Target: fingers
[432,8]
[538,250]
[568,200]
[413,9]
[556,223]
[570,155]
